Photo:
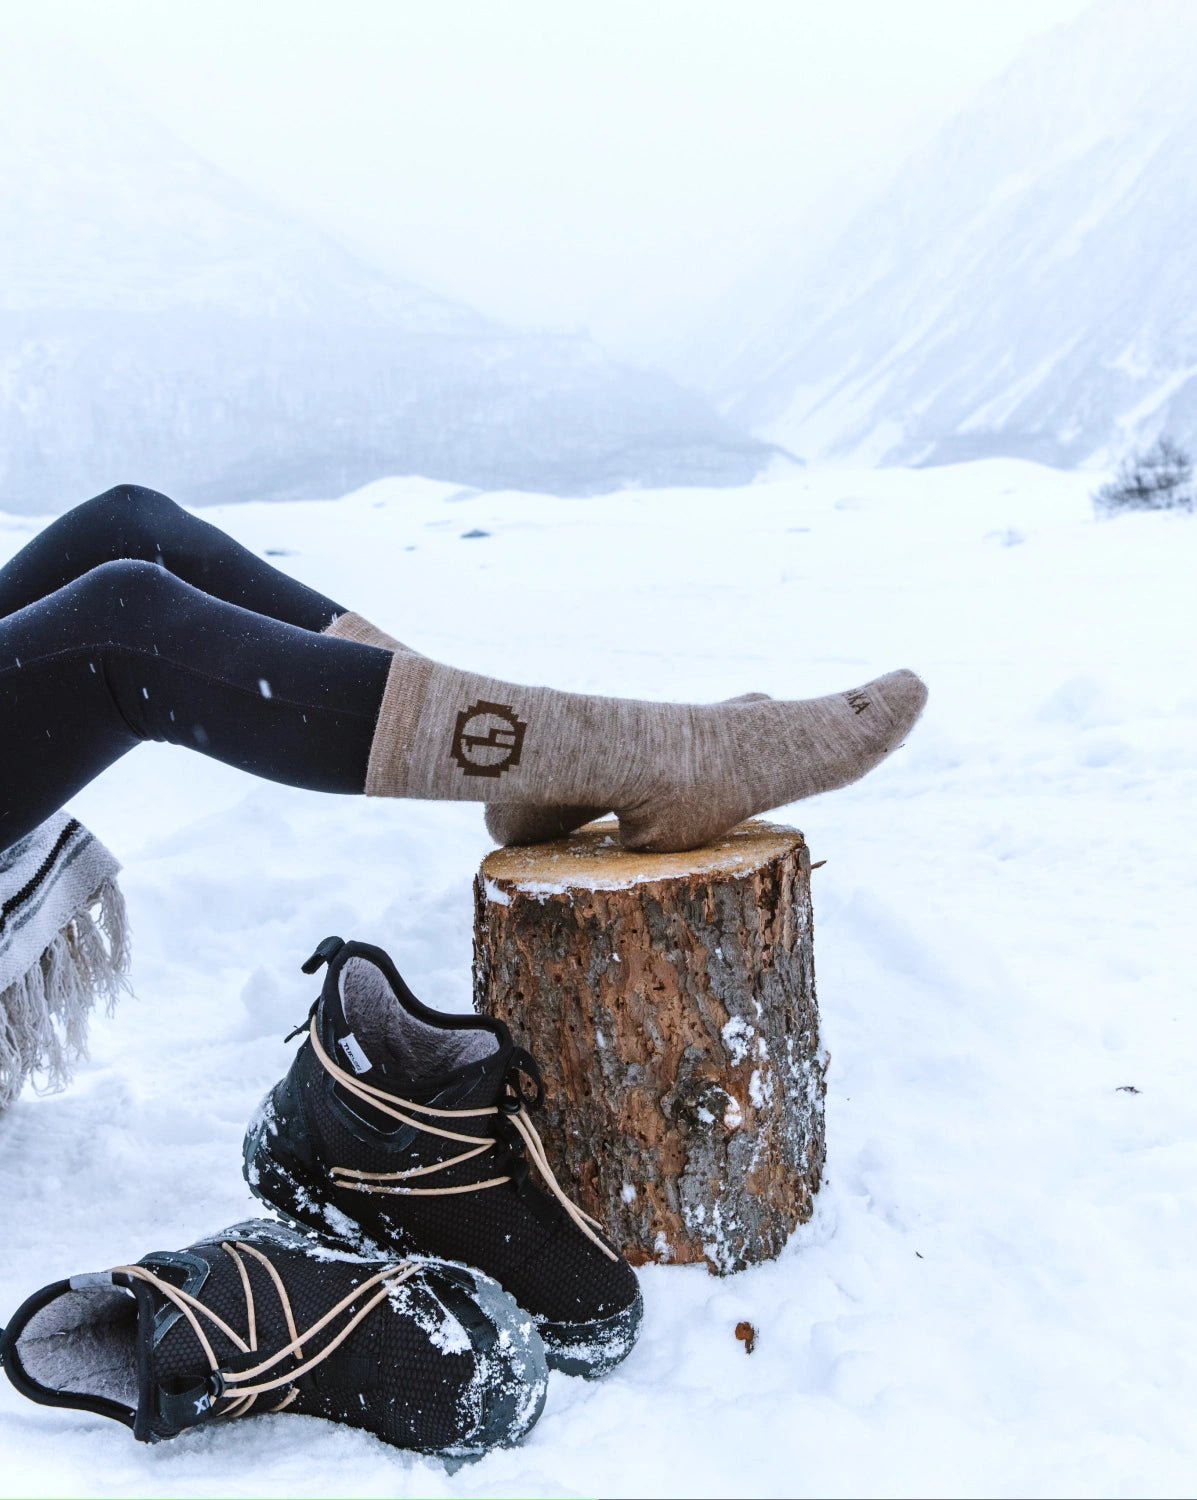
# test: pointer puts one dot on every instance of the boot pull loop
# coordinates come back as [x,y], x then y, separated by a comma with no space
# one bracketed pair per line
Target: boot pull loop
[181,1405]
[324,954]
[521,1066]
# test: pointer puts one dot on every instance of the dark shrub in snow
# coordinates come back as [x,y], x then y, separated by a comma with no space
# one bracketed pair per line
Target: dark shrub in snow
[1159,478]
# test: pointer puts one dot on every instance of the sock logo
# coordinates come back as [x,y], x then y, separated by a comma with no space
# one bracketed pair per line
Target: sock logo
[488,739]
[858,701]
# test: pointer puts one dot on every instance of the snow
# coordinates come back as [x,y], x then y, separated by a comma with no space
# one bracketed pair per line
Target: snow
[995,1294]
[737,1035]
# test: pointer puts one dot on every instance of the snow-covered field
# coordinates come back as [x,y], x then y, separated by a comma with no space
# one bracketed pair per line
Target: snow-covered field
[996,1294]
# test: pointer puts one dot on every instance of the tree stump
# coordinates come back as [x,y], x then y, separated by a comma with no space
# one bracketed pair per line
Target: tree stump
[670,1002]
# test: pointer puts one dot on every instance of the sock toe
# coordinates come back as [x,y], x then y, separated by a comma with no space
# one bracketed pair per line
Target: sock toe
[773,754]
[903,696]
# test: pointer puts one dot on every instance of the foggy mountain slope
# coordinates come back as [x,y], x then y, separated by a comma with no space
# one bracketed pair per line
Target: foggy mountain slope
[105,210]
[160,323]
[1026,286]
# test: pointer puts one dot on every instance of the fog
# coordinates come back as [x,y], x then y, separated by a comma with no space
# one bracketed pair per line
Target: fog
[285,249]
[614,167]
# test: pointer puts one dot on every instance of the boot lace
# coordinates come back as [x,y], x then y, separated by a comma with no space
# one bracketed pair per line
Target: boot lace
[512,1113]
[243,1387]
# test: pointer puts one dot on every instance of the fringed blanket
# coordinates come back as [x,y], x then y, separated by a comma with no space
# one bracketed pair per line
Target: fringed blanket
[63,945]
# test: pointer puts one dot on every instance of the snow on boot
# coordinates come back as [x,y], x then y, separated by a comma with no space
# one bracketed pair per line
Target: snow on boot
[260,1319]
[407,1130]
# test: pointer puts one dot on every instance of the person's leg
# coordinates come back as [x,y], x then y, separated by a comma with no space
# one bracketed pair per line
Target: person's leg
[130,522]
[129,652]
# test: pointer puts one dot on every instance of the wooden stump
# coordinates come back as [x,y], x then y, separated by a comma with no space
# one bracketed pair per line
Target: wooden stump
[670,1002]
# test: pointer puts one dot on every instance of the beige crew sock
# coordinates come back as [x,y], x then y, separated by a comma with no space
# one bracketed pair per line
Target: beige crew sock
[353,627]
[512,822]
[677,775]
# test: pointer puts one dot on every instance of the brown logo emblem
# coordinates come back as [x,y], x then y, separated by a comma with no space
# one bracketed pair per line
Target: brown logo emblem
[858,701]
[488,739]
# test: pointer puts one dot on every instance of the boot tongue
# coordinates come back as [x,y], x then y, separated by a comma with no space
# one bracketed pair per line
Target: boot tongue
[346,1048]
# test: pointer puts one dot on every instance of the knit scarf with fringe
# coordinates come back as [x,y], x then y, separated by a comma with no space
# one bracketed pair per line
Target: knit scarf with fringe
[63,944]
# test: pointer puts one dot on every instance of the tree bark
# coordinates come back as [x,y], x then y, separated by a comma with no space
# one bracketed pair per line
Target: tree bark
[670,1002]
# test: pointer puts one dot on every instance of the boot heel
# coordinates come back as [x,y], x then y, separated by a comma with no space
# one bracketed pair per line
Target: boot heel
[277,1180]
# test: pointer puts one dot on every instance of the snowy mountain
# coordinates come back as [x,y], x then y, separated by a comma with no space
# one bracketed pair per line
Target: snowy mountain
[1026,286]
[160,323]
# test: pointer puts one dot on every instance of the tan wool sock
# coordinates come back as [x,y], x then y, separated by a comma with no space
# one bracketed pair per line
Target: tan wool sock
[677,775]
[525,823]
[353,627]
[509,822]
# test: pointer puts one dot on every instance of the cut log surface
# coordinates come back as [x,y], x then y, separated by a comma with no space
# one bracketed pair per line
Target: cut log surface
[669,1000]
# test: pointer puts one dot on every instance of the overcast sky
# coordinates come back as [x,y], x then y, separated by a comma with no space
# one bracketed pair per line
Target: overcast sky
[612,164]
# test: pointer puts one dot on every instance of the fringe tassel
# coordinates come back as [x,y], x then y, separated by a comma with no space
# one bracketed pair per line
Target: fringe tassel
[43,1015]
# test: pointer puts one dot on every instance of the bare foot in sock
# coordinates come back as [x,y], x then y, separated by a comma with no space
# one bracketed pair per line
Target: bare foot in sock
[677,775]
[747,759]
[526,823]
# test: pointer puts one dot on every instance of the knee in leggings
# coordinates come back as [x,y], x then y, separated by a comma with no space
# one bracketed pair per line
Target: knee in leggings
[119,600]
[121,607]
[133,512]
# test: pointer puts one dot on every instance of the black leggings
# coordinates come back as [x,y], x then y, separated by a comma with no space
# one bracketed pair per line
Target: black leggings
[128,619]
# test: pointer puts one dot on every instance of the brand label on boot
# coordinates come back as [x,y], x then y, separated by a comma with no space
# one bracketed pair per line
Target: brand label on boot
[352,1049]
[487,738]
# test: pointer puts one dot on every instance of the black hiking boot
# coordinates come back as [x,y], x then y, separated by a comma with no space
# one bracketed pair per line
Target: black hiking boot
[404,1130]
[260,1319]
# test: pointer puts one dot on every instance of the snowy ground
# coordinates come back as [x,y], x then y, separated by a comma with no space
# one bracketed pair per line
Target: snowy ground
[996,1294]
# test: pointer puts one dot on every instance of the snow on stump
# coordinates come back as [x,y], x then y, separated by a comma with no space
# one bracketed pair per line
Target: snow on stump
[670,1002]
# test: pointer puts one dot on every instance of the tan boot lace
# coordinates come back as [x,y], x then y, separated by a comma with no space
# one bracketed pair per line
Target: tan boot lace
[235,1389]
[396,1182]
